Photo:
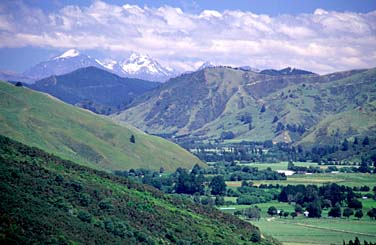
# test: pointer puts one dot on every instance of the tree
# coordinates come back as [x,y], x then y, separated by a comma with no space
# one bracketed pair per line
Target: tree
[280,214]
[335,212]
[252,213]
[132,139]
[365,141]
[314,209]
[218,185]
[275,119]
[372,213]
[356,141]
[345,145]
[219,201]
[263,108]
[347,212]
[285,214]
[272,211]
[18,84]
[359,214]
[355,203]
[293,215]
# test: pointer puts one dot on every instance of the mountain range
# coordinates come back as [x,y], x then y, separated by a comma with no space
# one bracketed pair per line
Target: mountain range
[136,66]
[288,105]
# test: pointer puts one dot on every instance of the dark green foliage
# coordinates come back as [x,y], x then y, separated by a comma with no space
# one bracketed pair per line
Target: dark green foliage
[314,209]
[335,212]
[272,211]
[263,108]
[358,214]
[293,215]
[347,212]
[218,185]
[132,139]
[365,141]
[45,199]
[18,84]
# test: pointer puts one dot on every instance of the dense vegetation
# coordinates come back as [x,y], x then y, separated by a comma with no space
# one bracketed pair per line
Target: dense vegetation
[81,136]
[45,199]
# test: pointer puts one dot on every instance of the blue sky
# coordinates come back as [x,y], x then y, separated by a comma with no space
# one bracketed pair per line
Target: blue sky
[322,36]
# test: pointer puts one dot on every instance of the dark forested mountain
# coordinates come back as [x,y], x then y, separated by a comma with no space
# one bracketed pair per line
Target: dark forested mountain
[292,106]
[81,136]
[47,200]
[94,89]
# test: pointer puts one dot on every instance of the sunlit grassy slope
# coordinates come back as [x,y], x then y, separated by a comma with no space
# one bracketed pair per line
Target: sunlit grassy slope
[39,120]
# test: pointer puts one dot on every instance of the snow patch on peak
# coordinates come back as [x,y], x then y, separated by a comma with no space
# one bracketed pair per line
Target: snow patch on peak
[206,64]
[109,64]
[68,54]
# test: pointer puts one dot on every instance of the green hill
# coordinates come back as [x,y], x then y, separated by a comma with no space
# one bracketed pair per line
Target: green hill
[47,200]
[233,104]
[75,134]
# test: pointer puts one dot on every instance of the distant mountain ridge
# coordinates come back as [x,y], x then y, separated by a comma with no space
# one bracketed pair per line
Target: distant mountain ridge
[69,61]
[140,66]
[95,89]
[136,66]
[288,105]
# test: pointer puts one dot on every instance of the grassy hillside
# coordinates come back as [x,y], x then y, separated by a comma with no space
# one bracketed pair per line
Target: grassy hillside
[39,120]
[302,107]
[45,199]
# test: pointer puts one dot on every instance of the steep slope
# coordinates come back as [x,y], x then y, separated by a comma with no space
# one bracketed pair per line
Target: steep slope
[67,62]
[234,104]
[75,134]
[94,89]
[45,199]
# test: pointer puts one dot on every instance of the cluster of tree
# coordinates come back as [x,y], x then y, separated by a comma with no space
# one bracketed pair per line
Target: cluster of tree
[357,242]
[268,152]
[294,128]
[235,172]
[181,181]
[314,198]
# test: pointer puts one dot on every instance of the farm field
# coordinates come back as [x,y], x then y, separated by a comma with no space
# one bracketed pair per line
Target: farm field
[348,179]
[302,230]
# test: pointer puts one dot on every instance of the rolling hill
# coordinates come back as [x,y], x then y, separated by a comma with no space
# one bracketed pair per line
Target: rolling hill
[75,134]
[283,106]
[47,200]
[95,89]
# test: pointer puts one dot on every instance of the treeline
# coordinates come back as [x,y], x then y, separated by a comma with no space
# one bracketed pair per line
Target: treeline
[268,152]
[332,196]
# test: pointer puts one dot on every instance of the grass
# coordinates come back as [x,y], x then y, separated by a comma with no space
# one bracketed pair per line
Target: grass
[75,134]
[348,179]
[305,231]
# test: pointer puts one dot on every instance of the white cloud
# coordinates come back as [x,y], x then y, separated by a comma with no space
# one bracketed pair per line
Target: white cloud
[323,41]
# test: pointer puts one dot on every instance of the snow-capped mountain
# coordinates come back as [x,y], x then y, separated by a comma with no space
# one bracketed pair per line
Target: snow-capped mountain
[140,66]
[136,66]
[67,62]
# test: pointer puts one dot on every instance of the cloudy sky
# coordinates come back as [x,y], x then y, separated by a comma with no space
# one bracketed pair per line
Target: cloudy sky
[321,36]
